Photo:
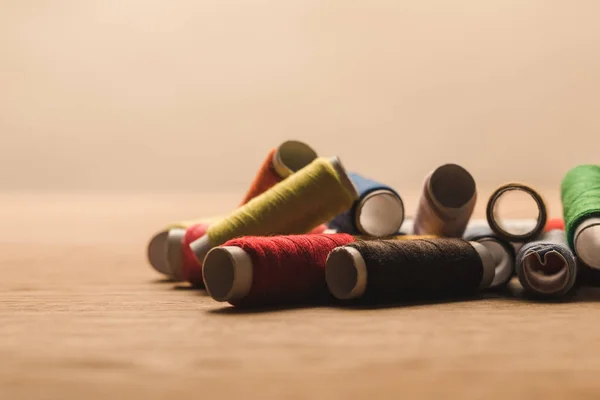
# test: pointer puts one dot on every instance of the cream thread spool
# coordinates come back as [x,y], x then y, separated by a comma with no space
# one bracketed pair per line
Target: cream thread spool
[447,202]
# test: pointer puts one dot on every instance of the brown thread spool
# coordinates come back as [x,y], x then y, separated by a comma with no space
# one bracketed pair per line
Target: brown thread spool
[447,202]
[495,222]
[387,270]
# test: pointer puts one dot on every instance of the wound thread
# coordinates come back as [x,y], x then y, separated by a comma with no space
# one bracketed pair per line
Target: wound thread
[547,267]
[502,252]
[447,202]
[191,268]
[379,210]
[281,162]
[580,196]
[383,271]
[278,270]
[496,223]
[313,195]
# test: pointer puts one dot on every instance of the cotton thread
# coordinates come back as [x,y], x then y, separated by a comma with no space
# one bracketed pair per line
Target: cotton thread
[379,210]
[313,195]
[547,267]
[447,202]
[279,270]
[383,271]
[191,268]
[502,252]
[280,163]
[495,221]
[580,196]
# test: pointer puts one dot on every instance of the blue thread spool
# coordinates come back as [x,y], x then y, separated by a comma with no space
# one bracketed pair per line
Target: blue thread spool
[379,210]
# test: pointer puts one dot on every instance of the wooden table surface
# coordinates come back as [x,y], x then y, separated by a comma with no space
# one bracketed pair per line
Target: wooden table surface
[83,316]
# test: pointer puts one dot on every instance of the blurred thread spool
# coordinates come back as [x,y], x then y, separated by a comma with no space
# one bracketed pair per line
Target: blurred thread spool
[276,270]
[580,195]
[288,158]
[554,223]
[447,202]
[501,250]
[164,249]
[191,269]
[385,270]
[378,212]
[164,245]
[312,196]
[496,223]
[547,267]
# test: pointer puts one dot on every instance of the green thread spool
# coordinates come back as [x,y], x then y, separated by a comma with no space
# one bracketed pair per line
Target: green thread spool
[312,196]
[580,195]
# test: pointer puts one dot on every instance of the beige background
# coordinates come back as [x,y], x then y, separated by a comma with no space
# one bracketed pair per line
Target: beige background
[189,95]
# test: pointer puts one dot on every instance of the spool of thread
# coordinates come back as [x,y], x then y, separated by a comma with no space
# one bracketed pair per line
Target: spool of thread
[164,249]
[288,158]
[554,223]
[501,250]
[447,202]
[386,270]
[379,210]
[496,222]
[547,267]
[313,195]
[277,270]
[191,269]
[580,195]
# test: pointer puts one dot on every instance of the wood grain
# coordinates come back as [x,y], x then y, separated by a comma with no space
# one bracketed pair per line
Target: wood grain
[83,316]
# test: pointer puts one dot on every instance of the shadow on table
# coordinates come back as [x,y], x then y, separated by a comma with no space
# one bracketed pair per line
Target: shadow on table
[231,310]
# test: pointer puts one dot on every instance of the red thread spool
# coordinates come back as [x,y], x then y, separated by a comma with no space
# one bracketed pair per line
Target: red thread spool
[276,270]
[191,268]
[554,223]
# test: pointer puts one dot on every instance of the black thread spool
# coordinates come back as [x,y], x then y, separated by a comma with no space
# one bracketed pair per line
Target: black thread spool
[382,271]
[547,266]
[502,252]
[495,220]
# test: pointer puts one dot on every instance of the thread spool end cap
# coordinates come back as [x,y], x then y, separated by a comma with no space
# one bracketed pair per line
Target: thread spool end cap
[380,213]
[228,273]
[173,253]
[504,262]
[157,252]
[200,247]
[346,273]
[587,242]
[489,265]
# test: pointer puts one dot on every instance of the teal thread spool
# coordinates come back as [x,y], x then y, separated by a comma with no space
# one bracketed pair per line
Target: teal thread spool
[580,195]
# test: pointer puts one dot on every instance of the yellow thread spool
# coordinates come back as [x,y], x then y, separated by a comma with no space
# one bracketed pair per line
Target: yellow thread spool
[310,197]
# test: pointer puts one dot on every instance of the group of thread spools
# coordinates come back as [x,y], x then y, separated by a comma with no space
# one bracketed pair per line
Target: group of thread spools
[309,232]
